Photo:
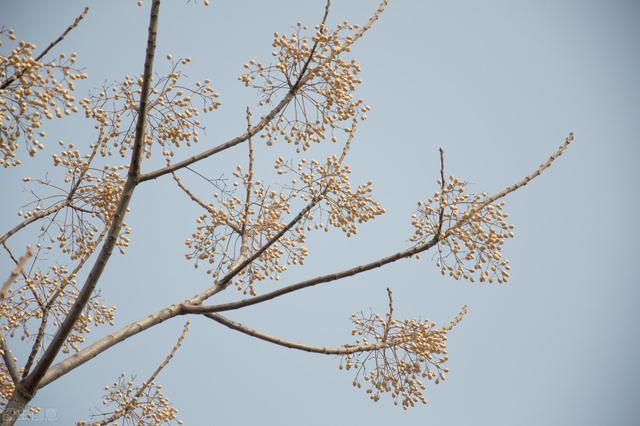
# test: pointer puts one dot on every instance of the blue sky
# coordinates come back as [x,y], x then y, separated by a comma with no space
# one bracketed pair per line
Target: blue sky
[498,85]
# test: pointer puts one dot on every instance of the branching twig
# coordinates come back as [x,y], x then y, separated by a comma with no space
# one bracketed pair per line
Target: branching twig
[199,202]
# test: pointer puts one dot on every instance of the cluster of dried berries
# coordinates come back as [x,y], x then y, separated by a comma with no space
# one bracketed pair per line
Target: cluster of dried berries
[93,195]
[46,298]
[234,229]
[172,114]
[31,91]
[322,82]
[6,384]
[229,233]
[135,405]
[407,352]
[470,236]
[341,207]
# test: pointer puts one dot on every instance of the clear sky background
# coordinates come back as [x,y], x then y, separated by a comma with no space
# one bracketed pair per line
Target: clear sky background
[498,85]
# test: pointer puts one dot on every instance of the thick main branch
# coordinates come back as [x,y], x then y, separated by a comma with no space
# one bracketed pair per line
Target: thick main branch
[31,383]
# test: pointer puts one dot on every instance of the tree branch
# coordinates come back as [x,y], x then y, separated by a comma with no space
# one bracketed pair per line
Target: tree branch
[31,382]
[195,309]
[93,350]
[442,203]
[136,327]
[345,350]
[509,189]
[9,361]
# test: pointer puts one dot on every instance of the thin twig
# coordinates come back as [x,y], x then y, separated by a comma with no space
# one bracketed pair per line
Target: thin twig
[442,203]
[199,202]
[387,326]
[327,350]
[509,189]
[244,233]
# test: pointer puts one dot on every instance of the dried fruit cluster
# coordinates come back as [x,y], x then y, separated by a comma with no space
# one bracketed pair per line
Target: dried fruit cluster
[135,405]
[310,67]
[470,234]
[45,298]
[406,352]
[92,195]
[172,117]
[31,91]
[234,229]
[342,207]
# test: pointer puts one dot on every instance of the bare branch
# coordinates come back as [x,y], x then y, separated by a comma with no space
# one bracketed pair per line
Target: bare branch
[31,382]
[74,24]
[310,282]
[9,361]
[389,316]
[509,189]
[93,350]
[17,271]
[294,345]
[442,201]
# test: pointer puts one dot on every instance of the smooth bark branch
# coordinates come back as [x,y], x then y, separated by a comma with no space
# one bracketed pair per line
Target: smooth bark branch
[200,309]
[74,24]
[9,362]
[27,388]
[107,342]
[326,350]
[509,189]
